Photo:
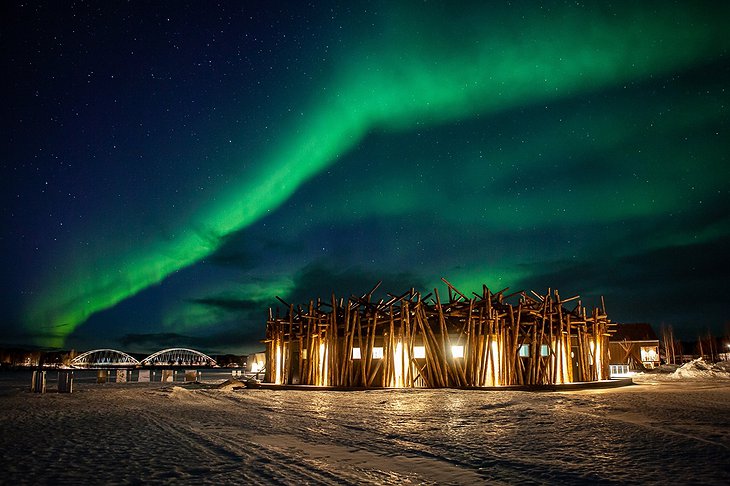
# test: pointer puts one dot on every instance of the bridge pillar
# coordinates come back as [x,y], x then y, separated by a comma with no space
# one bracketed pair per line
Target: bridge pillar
[38,383]
[65,381]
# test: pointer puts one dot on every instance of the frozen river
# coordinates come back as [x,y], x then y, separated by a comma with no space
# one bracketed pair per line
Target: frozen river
[658,432]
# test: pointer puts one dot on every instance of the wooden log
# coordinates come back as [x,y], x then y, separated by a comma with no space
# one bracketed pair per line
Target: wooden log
[454,289]
[569,348]
[333,345]
[470,351]
[445,342]
[311,359]
[300,363]
[363,350]
[493,336]
[389,376]
[514,342]
[433,357]
[539,372]
[289,350]
[372,328]
[353,372]
[479,366]
[408,362]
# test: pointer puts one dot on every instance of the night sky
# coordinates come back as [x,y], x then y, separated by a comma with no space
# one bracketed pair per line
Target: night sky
[168,168]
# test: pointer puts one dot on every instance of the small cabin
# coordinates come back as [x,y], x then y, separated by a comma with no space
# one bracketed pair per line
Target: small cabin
[633,347]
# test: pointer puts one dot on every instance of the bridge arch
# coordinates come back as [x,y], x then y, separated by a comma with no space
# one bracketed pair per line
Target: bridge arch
[103,357]
[178,356]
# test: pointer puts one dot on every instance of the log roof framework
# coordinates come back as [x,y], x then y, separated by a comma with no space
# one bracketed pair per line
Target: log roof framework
[415,340]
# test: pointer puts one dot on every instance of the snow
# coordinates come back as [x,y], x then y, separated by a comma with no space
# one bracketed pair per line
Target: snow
[697,369]
[664,430]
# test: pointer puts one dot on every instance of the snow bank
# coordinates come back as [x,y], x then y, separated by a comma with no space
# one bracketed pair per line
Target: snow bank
[231,385]
[697,369]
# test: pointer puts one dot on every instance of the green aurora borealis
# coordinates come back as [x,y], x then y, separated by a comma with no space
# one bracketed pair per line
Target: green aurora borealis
[579,147]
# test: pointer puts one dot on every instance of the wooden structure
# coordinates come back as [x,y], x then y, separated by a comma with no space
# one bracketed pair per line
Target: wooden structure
[633,347]
[412,340]
[38,382]
[65,381]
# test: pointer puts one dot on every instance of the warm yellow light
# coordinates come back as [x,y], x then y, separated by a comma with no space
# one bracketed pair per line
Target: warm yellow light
[277,375]
[398,365]
[322,378]
[457,351]
[648,353]
[494,366]
[596,354]
[560,360]
[419,352]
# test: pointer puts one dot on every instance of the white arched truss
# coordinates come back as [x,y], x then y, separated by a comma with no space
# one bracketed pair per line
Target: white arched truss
[178,357]
[103,357]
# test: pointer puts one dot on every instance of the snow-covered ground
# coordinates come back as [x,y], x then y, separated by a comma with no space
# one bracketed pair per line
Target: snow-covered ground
[665,430]
[692,371]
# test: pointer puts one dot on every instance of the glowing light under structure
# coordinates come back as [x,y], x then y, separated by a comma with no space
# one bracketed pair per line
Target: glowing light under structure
[278,371]
[322,376]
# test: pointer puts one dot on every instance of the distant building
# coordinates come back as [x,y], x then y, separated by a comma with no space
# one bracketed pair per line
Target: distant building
[256,364]
[633,347]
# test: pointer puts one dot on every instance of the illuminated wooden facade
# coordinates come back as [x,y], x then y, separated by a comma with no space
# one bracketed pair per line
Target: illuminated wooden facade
[419,341]
[633,347]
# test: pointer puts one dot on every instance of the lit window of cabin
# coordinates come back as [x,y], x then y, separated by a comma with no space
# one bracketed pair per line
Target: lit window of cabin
[525,351]
[378,352]
[419,352]
[356,353]
[619,370]
[457,351]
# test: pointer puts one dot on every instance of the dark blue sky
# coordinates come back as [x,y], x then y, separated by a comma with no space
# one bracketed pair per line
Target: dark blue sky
[170,168]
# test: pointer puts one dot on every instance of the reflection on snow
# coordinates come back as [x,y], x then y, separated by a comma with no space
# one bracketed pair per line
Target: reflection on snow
[570,437]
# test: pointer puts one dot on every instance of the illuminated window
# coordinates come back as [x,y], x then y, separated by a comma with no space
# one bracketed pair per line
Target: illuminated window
[649,353]
[378,353]
[355,353]
[621,369]
[304,354]
[457,351]
[525,351]
[419,352]
[544,350]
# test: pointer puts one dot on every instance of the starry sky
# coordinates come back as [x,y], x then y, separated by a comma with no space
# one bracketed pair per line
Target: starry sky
[168,168]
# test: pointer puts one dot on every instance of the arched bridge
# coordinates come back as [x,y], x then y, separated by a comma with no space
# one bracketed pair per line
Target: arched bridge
[178,356]
[111,358]
[103,357]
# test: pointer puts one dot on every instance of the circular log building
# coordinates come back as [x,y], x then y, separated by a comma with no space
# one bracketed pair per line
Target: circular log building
[414,340]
